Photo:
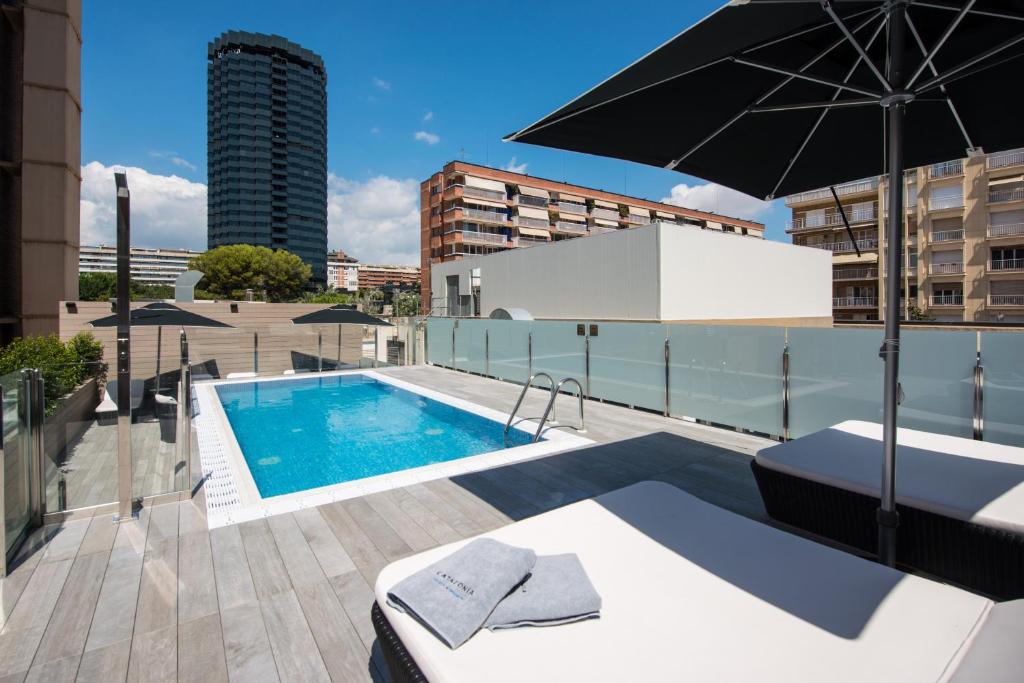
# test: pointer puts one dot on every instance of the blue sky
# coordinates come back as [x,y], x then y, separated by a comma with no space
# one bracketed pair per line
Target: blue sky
[461,75]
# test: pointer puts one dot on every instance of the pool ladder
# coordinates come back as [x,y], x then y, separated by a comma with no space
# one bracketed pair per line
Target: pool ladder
[549,409]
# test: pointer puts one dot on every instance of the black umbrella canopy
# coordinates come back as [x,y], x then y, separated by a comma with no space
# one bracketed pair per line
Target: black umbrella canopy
[739,98]
[159,314]
[340,314]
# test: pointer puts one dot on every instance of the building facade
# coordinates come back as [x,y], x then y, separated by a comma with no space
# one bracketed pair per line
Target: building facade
[40,163]
[963,240]
[152,266]
[376,276]
[466,209]
[267,146]
[342,272]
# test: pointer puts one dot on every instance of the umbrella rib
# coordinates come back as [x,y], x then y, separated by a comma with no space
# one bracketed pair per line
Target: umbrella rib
[935,72]
[942,79]
[807,77]
[930,55]
[978,12]
[825,104]
[821,116]
[827,6]
[784,82]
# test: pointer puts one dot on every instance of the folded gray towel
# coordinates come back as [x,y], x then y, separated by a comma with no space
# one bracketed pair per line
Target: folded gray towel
[558,591]
[453,596]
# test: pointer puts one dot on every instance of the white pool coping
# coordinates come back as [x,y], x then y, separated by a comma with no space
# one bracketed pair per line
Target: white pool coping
[231,493]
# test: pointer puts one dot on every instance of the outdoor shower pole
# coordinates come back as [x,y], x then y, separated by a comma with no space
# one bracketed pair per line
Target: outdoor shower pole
[124,356]
[895,103]
[319,351]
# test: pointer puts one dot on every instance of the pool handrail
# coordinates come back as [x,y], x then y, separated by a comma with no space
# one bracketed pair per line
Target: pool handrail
[551,404]
[522,395]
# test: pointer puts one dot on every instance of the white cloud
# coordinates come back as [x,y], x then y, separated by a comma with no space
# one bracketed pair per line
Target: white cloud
[381,84]
[429,138]
[376,221]
[717,199]
[167,211]
[173,157]
[513,167]
[429,116]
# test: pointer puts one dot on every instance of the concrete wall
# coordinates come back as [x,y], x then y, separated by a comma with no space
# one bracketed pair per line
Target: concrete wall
[656,272]
[718,276]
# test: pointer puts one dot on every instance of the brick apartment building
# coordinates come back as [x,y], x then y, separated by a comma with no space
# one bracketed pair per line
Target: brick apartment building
[469,209]
[963,240]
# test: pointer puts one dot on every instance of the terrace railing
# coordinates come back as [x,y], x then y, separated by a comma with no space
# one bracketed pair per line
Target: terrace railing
[939,203]
[947,299]
[779,381]
[948,235]
[1006,264]
[530,200]
[1013,157]
[1006,194]
[946,169]
[854,302]
[947,269]
[570,207]
[855,187]
[1006,299]
[488,216]
[1008,230]
[530,222]
[607,214]
[855,274]
[572,227]
[482,193]
[490,238]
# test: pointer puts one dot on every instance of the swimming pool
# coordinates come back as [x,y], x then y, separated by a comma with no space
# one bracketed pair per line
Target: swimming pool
[306,433]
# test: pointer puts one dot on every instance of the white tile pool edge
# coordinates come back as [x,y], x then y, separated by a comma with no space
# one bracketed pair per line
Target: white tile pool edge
[231,493]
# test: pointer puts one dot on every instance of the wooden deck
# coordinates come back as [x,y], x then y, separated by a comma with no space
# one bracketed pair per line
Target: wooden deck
[288,597]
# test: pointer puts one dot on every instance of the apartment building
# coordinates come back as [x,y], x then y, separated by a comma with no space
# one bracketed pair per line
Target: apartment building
[467,209]
[152,266]
[342,272]
[963,240]
[376,276]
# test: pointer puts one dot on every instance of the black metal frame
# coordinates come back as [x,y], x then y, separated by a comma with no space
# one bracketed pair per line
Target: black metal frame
[401,666]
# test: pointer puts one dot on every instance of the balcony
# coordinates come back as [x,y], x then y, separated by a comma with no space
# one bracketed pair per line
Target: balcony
[488,238]
[527,241]
[856,187]
[1009,230]
[946,169]
[1006,299]
[940,203]
[569,207]
[636,219]
[528,222]
[946,269]
[528,200]
[855,274]
[486,216]
[948,235]
[839,247]
[1013,193]
[607,214]
[854,302]
[1006,264]
[571,227]
[468,191]
[1013,157]
[832,219]
[948,299]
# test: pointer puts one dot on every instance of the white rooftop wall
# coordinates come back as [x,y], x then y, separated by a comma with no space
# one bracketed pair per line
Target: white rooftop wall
[656,272]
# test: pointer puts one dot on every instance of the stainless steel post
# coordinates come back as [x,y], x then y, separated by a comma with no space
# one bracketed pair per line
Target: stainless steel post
[785,391]
[586,363]
[319,351]
[979,394]
[668,383]
[529,356]
[124,355]
[455,325]
[487,353]
[3,502]
[256,352]
[183,441]
[28,407]
[376,346]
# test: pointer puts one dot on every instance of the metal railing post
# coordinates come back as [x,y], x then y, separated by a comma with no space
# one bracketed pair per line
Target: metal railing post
[586,363]
[27,433]
[785,391]
[455,326]
[256,352]
[376,345]
[319,351]
[183,443]
[529,356]
[487,353]
[668,378]
[979,393]
[3,488]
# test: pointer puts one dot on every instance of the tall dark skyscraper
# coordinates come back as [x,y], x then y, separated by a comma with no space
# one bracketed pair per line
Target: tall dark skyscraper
[267,146]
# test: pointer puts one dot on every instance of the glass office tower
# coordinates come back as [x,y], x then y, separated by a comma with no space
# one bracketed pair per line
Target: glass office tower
[267,146]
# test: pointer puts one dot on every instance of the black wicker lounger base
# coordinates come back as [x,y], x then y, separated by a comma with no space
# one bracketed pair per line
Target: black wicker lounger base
[986,560]
[400,663]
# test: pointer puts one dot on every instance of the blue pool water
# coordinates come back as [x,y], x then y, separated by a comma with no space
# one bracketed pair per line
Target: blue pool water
[304,433]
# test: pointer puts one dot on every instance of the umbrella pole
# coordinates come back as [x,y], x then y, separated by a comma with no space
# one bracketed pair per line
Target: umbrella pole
[159,335]
[319,351]
[888,518]
[339,348]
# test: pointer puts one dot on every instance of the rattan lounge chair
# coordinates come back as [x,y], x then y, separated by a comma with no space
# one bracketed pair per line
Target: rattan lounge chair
[961,501]
[692,592]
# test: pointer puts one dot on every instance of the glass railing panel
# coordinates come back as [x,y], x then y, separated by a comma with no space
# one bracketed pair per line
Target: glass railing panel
[558,350]
[835,375]
[627,364]
[1003,410]
[79,436]
[17,465]
[439,341]
[157,466]
[729,375]
[509,345]
[470,345]
[937,375]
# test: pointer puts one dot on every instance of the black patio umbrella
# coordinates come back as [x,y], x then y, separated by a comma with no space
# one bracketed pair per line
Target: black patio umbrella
[339,314]
[774,97]
[160,314]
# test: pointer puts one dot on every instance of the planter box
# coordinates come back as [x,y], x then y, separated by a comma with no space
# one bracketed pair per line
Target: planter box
[74,416]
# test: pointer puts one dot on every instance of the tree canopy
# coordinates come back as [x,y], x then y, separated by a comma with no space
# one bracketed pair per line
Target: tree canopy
[103,286]
[232,269]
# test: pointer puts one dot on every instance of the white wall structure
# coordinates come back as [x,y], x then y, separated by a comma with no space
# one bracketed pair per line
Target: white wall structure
[657,272]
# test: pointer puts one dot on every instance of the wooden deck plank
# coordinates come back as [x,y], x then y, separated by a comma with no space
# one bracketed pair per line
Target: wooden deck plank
[246,646]
[56,671]
[201,651]
[439,530]
[405,526]
[295,650]
[114,618]
[68,628]
[231,569]
[343,651]
[268,571]
[108,663]
[24,630]
[483,513]
[158,590]
[365,555]
[464,525]
[356,597]
[65,542]
[154,656]
[197,586]
[331,555]
[385,538]
[100,535]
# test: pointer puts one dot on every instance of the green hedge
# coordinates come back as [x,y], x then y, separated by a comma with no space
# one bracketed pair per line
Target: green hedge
[65,365]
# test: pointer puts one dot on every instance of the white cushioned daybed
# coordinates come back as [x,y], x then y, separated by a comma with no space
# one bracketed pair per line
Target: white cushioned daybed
[961,501]
[692,592]
[106,411]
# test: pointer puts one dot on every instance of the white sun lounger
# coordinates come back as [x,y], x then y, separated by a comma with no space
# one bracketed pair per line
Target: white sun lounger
[692,592]
[107,409]
[961,501]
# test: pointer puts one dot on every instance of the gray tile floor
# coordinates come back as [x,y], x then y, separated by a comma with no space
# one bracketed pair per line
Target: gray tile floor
[288,597]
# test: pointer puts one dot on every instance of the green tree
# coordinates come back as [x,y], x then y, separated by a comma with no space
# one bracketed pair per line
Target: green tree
[64,365]
[234,268]
[406,303]
[103,286]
